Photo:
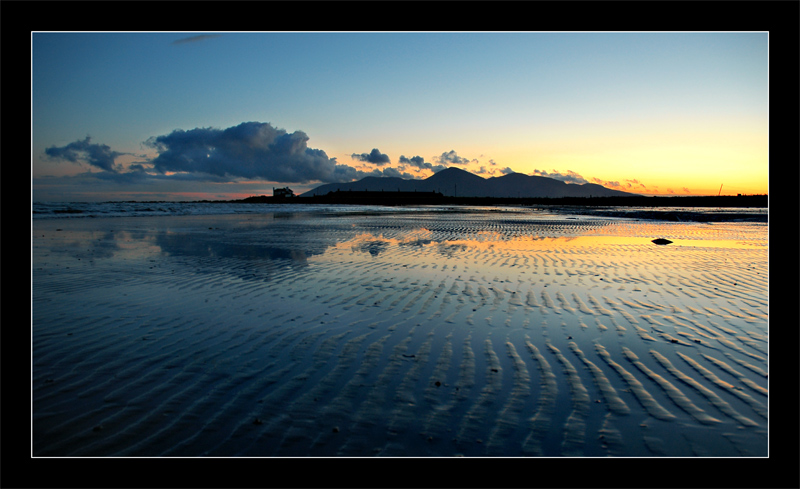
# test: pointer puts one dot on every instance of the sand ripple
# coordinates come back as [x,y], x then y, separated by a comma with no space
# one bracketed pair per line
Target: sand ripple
[482,333]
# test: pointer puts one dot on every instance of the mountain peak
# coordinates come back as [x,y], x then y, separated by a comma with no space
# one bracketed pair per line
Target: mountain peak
[452,170]
[456,174]
[454,181]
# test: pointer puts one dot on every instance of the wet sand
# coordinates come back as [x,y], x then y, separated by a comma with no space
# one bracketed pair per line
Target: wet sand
[484,333]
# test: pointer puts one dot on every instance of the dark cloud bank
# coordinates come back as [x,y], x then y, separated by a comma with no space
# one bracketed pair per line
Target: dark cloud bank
[97,155]
[248,151]
[251,150]
[373,156]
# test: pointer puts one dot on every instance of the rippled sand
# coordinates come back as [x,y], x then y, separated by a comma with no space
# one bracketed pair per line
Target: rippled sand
[482,333]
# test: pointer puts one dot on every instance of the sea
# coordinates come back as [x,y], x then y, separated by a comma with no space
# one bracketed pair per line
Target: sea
[78,210]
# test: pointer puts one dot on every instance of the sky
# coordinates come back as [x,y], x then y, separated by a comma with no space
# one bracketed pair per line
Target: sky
[225,115]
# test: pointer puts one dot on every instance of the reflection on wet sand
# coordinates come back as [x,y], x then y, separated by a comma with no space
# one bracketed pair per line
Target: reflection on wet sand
[407,334]
[291,236]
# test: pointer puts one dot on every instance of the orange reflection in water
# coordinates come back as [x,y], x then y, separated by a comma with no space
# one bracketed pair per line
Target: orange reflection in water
[485,240]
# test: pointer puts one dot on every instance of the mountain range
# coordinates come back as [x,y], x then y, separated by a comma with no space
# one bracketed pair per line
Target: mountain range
[455,182]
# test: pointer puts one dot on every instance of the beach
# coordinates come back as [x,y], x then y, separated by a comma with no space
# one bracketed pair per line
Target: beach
[423,332]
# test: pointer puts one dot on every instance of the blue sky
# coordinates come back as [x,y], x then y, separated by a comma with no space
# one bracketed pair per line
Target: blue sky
[182,116]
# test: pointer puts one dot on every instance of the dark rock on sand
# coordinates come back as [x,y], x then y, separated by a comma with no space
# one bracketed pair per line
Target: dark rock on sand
[662,241]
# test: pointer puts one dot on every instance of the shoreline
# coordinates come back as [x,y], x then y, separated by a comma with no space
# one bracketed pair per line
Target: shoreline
[409,198]
[673,209]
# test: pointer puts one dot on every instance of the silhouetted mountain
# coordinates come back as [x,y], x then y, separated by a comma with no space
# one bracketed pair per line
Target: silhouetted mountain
[460,183]
[456,182]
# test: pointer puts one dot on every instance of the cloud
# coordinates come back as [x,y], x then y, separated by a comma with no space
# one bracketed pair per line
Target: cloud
[452,158]
[197,38]
[373,156]
[611,184]
[634,183]
[569,177]
[394,172]
[419,162]
[97,155]
[252,150]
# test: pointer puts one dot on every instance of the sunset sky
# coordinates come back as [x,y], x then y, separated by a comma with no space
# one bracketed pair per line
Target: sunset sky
[222,115]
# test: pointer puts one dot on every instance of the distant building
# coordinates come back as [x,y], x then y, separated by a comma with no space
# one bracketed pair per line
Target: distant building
[282,192]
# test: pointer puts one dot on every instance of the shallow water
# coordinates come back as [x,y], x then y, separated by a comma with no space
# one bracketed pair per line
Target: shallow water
[402,333]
